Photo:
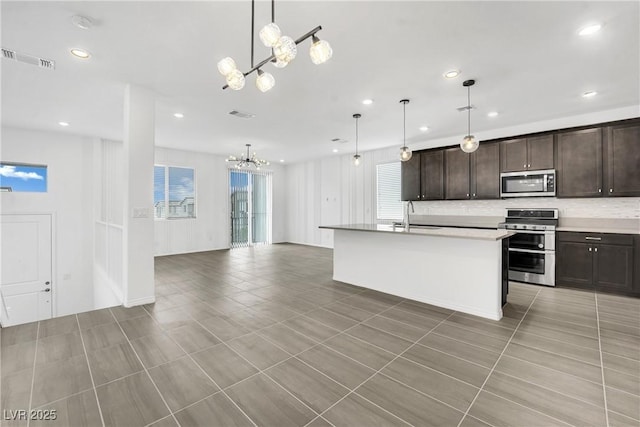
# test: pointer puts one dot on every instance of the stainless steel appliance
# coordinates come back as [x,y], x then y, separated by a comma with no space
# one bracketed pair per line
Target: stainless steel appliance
[532,251]
[539,183]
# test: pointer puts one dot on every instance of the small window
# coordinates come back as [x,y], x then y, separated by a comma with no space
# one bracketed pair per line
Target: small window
[388,185]
[17,177]
[173,192]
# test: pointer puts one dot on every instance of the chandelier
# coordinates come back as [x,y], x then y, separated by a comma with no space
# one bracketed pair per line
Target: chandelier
[283,50]
[243,162]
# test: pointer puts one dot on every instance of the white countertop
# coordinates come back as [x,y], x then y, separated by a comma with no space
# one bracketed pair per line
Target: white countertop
[461,233]
[600,225]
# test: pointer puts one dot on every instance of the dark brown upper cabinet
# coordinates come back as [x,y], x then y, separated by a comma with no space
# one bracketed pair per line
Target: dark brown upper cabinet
[579,163]
[423,176]
[533,153]
[432,175]
[457,172]
[622,160]
[485,172]
[473,176]
[410,177]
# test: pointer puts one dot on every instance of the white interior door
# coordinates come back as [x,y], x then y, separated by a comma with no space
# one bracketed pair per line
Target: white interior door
[25,274]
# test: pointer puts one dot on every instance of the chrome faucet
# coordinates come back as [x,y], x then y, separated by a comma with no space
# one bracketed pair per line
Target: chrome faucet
[406,221]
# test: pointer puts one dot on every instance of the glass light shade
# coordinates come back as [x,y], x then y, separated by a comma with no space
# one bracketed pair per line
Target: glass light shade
[356,159]
[265,81]
[320,51]
[469,144]
[285,50]
[405,153]
[226,66]
[279,64]
[235,80]
[270,34]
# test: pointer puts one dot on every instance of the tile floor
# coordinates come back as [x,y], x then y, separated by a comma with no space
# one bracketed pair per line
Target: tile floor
[264,337]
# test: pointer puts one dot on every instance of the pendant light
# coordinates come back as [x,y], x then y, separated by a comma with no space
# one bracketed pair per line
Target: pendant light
[356,157]
[405,152]
[469,143]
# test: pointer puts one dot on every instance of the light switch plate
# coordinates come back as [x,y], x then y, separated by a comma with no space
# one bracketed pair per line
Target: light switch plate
[140,212]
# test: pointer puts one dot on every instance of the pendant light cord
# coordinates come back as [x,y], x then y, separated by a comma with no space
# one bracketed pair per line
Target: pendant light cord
[273,11]
[468,110]
[253,13]
[357,135]
[404,124]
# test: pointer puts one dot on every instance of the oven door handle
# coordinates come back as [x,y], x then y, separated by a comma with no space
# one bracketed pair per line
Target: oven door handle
[531,251]
[531,231]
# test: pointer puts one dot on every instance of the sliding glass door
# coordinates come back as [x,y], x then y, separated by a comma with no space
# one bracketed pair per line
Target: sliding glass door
[250,197]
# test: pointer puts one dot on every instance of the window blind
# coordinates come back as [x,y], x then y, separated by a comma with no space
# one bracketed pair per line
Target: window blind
[388,189]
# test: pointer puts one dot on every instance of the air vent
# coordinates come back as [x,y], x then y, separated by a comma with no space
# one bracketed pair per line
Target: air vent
[465,108]
[242,114]
[28,59]
[9,54]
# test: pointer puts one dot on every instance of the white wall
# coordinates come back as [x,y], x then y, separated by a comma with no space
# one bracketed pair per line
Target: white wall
[332,191]
[210,229]
[70,197]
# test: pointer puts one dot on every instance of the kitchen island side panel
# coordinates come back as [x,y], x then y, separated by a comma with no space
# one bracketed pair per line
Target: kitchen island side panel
[456,273]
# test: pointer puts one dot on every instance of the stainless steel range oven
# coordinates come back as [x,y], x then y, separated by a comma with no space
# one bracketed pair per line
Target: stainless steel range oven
[532,251]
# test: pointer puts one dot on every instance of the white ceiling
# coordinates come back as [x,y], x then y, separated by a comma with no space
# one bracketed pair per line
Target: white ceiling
[529,63]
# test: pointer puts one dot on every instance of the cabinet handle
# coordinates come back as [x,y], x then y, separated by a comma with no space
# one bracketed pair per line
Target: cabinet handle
[589,249]
[423,196]
[467,194]
[595,249]
[474,194]
[524,166]
[529,165]
[611,190]
[599,190]
[593,238]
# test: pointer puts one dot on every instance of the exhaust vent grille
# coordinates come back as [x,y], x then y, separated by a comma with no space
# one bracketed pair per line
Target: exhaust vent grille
[242,114]
[12,55]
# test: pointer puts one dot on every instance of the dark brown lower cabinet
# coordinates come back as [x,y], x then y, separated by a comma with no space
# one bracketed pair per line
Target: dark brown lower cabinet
[596,261]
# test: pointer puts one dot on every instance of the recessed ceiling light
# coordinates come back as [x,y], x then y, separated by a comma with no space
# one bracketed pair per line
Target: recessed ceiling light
[492,114]
[63,124]
[589,29]
[590,94]
[367,101]
[335,150]
[424,128]
[281,160]
[80,53]
[451,74]
[178,115]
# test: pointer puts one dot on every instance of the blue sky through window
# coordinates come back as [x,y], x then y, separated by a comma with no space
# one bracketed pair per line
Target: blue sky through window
[25,178]
[180,184]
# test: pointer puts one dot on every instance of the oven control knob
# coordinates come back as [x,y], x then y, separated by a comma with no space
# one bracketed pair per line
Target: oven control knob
[540,245]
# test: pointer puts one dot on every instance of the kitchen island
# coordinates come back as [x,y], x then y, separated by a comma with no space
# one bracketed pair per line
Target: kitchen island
[462,269]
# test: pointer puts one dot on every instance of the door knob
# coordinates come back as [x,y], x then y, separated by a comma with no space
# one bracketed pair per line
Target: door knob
[47,290]
[47,283]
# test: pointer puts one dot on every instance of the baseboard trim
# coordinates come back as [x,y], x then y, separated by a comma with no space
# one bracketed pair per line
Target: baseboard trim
[309,244]
[139,301]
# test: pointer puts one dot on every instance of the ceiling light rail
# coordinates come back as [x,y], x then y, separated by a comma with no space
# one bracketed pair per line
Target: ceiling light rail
[283,51]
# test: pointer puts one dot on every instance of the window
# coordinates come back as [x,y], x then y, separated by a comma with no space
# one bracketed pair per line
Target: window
[173,192]
[388,185]
[20,177]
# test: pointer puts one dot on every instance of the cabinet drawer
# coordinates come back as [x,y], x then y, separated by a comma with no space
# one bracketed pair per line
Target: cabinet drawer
[595,238]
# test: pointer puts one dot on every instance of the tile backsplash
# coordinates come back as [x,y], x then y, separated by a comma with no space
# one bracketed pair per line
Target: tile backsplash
[605,207]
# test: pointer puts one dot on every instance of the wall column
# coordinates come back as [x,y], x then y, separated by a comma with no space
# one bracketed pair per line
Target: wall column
[139,125]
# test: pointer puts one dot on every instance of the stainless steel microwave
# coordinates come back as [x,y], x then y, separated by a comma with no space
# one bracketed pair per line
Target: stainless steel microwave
[539,183]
